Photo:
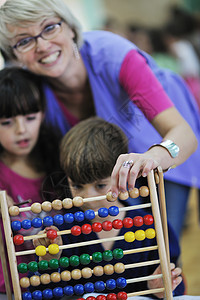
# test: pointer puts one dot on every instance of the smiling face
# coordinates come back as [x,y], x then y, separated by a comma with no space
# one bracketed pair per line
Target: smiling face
[49,57]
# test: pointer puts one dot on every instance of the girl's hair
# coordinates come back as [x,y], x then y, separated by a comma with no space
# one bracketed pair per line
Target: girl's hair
[90,149]
[23,13]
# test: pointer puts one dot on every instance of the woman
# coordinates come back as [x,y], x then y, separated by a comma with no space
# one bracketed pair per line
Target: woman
[102,74]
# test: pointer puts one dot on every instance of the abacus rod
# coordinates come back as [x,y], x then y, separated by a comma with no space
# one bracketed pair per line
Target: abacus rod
[141,249]
[44,235]
[142,264]
[144,278]
[146,292]
[97,198]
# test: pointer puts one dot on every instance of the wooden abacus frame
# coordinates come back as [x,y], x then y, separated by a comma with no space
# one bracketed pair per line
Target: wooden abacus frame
[160,221]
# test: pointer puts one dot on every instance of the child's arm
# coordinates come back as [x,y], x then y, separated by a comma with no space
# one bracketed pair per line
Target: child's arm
[158,283]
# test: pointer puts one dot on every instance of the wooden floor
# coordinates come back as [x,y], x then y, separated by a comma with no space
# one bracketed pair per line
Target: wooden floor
[190,244]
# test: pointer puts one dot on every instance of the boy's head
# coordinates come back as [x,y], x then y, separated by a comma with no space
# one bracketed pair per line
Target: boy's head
[90,149]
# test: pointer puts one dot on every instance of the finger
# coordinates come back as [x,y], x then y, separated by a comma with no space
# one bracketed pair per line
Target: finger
[148,166]
[176,282]
[115,177]
[133,173]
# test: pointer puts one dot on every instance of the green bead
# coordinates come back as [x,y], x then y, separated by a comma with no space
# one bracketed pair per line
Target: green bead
[97,257]
[53,263]
[107,255]
[64,262]
[85,259]
[33,266]
[43,265]
[22,268]
[118,253]
[74,260]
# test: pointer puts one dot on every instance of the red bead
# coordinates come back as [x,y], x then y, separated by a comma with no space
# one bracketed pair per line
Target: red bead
[111,297]
[76,230]
[97,227]
[18,239]
[138,221]
[148,220]
[81,299]
[128,222]
[122,296]
[107,225]
[117,224]
[90,298]
[52,234]
[101,297]
[86,229]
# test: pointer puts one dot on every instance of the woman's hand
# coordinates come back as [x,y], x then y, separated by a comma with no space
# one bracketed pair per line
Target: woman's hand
[158,283]
[46,242]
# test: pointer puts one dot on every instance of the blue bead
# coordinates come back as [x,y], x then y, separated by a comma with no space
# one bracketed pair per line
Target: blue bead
[110,284]
[99,286]
[68,290]
[113,210]
[16,225]
[121,282]
[79,216]
[69,218]
[48,294]
[79,289]
[26,224]
[89,214]
[48,221]
[27,296]
[103,212]
[58,219]
[36,223]
[37,295]
[89,287]
[58,292]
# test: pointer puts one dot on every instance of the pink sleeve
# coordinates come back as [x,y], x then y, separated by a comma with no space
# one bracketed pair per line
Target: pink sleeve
[143,88]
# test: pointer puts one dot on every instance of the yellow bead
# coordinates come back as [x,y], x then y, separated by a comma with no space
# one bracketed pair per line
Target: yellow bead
[57,204]
[129,236]
[24,282]
[140,235]
[40,250]
[110,197]
[67,203]
[77,201]
[14,211]
[150,233]
[36,208]
[53,249]
[123,195]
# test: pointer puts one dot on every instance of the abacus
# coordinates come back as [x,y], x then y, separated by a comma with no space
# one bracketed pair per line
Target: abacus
[160,232]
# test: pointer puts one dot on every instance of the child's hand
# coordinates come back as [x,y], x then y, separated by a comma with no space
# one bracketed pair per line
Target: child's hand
[158,283]
[46,242]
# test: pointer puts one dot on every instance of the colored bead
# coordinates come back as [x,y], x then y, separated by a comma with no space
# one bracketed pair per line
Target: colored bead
[40,250]
[77,201]
[110,284]
[66,275]
[101,297]
[13,211]
[148,220]
[48,294]
[48,221]
[121,282]
[140,235]
[134,193]
[109,197]
[108,269]
[98,271]
[76,274]
[118,253]
[18,239]
[150,233]
[24,282]
[26,224]
[68,290]
[144,191]
[90,298]
[54,263]
[58,220]
[79,289]
[22,268]
[103,212]
[52,234]
[74,261]
[36,208]
[123,195]
[36,222]
[129,236]
[84,259]
[89,287]
[79,216]
[113,210]
[45,278]
[107,225]
[122,296]
[33,266]
[119,268]
[27,296]
[97,227]
[37,295]
[99,286]
[55,277]
[76,230]
[128,222]
[58,292]
[67,203]
[43,265]
[138,221]
[86,229]
[35,280]
[117,224]
[46,206]
[16,225]
[64,262]
[89,214]
[53,249]
[57,204]
[69,218]
[86,273]
[107,255]
[97,257]
[111,296]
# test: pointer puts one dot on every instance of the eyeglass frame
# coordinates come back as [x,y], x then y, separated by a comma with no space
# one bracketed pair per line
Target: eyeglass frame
[36,37]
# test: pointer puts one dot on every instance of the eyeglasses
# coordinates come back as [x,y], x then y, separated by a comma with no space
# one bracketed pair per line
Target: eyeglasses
[48,33]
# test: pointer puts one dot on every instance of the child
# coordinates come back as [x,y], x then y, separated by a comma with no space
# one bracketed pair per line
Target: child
[88,154]
[28,149]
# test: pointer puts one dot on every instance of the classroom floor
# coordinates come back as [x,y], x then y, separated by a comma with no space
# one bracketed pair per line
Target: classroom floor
[190,244]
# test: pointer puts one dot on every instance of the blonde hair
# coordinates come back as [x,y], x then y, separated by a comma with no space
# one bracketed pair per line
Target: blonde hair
[21,13]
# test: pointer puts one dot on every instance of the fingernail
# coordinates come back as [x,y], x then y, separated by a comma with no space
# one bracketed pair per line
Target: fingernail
[114,195]
[144,175]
